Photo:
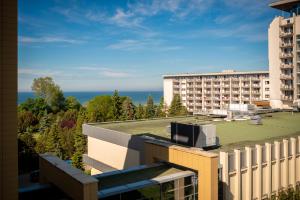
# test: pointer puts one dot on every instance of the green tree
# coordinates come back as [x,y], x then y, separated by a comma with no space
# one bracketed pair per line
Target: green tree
[26,120]
[79,140]
[45,88]
[72,103]
[128,109]
[37,106]
[160,109]
[139,114]
[150,110]
[116,106]
[176,107]
[99,109]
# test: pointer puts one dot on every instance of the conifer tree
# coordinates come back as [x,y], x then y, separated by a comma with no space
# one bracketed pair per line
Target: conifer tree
[150,110]
[116,106]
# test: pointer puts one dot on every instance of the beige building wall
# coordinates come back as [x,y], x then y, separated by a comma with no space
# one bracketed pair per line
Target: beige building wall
[284,65]
[114,155]
[8,100]
[259,172]
[204,163]
[215,91]
[168,91]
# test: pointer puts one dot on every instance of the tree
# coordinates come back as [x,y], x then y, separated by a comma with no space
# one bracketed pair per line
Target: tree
[176,107]
[160,109]
[128,109]
[52,94]
[150,110]
[26,120]
[139,114]
[37,106]
[99,109]
[72,103]
[79,140]
[116,106]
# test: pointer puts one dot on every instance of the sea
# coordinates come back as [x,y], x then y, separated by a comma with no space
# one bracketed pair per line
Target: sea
[138,97]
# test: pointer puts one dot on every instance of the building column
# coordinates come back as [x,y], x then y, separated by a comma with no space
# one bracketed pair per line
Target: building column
[277,165]
[293,161]
[269,168]
[259,170]
[285,163]
[238,184]
[249,173]
[225,178]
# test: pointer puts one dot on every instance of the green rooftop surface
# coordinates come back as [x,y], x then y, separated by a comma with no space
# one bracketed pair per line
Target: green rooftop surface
[136,175]
[231,134]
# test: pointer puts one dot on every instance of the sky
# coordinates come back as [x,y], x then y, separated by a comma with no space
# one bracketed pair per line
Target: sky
[128,45]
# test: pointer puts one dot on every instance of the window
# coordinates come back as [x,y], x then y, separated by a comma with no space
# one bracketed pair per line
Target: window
[267,82]
[267,89]
[267,96]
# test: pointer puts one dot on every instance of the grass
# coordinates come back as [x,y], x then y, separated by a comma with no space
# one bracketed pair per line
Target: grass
[231,134]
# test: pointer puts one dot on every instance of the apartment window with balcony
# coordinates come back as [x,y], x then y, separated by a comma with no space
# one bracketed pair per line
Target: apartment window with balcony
[267,96]
[267,82]
[267,89]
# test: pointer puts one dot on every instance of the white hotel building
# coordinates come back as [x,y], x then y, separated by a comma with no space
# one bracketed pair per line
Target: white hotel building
[203,92]
[280,85]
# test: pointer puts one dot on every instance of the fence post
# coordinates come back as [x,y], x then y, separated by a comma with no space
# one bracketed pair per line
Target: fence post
[269,168]
[293,161]
[285,163]
[249,173]
[225,171]
[277,165]
[238,184]
[259,170]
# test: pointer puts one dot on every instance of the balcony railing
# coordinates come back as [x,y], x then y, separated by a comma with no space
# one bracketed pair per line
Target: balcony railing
[235,92]
[286,34]
[245,86]
[285,55]
[286,77]
[286,87]
[286,66]
[255,85]
[286,98]
[286,44]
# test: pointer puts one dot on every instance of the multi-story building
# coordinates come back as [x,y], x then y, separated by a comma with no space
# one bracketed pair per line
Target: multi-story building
[284,55]
[207,91]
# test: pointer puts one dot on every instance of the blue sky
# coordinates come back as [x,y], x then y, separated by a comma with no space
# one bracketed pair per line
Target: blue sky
[128,45]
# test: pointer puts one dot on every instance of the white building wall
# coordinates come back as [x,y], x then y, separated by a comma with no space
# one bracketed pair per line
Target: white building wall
[168,91]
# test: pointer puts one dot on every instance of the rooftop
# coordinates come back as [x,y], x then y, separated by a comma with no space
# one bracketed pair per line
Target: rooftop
[284,5]
[231,134]
[225,72]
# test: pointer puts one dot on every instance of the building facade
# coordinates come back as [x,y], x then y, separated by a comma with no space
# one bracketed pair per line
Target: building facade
[284,55]
[204,92]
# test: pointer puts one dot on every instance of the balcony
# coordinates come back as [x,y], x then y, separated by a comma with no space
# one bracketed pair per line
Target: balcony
[286,77]
[217,86]
[236,86]
[286,66]
[286,45]
[198,92]
[255,85]
[255,79]
[235,92]
[286,98]
[226,85]
[286,23]
[286,34]
[286,87]
[246,86]
[226,91]
[246,92]
[235,79]
[255,92]
[285,55]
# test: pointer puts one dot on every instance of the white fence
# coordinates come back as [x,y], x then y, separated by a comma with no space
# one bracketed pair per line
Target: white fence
[257,173]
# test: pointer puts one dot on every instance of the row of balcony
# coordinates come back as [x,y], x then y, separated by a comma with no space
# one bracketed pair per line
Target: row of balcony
[286,77]
[286,34]
[209,80]
[286,87]
[286,44]
[287,98]
[285,55]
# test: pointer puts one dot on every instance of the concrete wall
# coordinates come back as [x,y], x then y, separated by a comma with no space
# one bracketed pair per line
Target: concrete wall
[168,91]
[256,173]
[70,180]
[112,149]
[274,63]
[204,163]
[8,100]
